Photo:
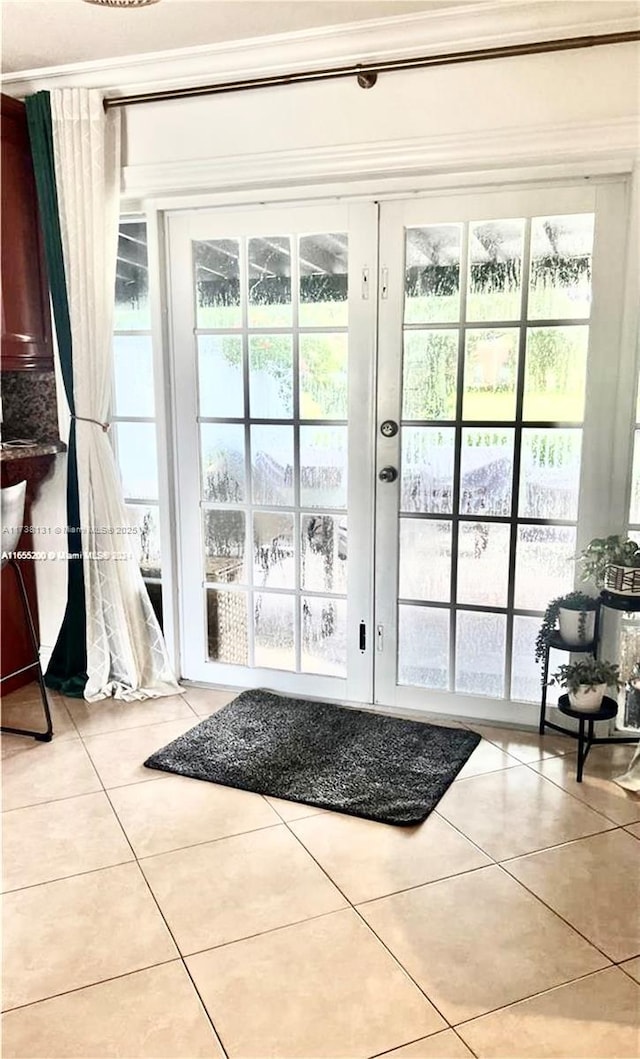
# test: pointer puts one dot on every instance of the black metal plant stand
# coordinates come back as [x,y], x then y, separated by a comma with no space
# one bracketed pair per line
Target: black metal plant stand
[609,707]
[607,711]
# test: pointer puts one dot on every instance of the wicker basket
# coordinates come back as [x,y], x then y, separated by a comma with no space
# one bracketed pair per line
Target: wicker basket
[622,580]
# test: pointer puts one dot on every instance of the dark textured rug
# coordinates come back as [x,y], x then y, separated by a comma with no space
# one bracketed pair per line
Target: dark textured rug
[366,764]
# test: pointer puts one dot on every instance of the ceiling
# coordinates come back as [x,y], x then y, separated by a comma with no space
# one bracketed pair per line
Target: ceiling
[42,33]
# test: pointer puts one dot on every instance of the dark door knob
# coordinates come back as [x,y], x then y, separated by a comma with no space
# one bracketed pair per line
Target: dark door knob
[388,474]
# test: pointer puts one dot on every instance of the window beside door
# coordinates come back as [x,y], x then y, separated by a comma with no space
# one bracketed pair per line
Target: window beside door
[134,413]
[629,623]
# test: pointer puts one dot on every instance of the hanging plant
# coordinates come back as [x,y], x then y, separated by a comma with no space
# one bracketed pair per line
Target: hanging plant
[576,601]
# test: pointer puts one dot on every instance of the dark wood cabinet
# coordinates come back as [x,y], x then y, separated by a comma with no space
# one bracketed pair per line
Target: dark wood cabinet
[26,320]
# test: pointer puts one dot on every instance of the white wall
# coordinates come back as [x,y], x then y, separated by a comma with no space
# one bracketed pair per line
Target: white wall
[523,93]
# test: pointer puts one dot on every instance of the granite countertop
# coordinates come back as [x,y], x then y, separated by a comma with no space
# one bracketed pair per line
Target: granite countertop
[9,451]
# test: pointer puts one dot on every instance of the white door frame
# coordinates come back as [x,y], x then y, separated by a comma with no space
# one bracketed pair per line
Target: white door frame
[591,168]
[360,221]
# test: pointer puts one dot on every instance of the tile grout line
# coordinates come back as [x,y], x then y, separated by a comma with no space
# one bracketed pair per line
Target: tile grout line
[531,767]
[499,864]
[133,727]
[88,985]
[575,797]
[622,967]
[63,878]
[269,930]
[203,842]
[168,928]
[160,912]
[418,886]
[419,1040]
[616,826]
[557,914]
[541,992]
[528,853]
[373,933]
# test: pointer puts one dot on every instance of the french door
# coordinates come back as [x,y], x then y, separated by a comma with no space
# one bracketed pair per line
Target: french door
[273,320]
[497,330]
[391,433]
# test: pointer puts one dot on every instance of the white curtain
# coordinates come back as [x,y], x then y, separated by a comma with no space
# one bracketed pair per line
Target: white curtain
[631,778]
[126,654]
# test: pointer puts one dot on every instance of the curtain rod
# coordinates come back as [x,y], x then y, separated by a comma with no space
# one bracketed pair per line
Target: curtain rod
[367,73]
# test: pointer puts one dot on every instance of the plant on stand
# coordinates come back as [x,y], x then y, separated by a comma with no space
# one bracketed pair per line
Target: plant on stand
[612,563]
[587,681]
[574,616]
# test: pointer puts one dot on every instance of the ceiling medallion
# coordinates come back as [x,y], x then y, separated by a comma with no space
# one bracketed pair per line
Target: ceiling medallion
[121,3]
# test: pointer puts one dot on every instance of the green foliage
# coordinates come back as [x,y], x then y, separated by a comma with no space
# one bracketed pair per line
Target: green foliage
[588,672]
[602,552]
[572,601]
[556,357]
[433,281]
[430,375]
[555,270]
[493,276]
[323,376]
[273,354]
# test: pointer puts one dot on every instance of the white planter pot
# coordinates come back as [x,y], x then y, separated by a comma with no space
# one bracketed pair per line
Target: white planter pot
[622,580]
[587,699]
[569,622]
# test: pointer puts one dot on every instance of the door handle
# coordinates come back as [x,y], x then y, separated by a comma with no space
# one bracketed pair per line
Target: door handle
[388,474]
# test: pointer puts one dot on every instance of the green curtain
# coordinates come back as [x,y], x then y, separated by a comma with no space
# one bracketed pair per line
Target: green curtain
[67,671]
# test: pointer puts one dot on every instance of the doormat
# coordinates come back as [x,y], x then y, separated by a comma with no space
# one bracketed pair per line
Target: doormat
[350,761]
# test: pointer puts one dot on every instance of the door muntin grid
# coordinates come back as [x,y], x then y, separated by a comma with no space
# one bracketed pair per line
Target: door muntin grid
[272,350]
[493,390]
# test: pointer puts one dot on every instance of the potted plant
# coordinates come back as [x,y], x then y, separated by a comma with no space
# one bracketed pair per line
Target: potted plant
[575,615]
[613,563]
[586,682]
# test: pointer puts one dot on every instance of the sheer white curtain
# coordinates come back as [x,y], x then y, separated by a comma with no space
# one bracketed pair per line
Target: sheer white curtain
[631,778]
[126,654]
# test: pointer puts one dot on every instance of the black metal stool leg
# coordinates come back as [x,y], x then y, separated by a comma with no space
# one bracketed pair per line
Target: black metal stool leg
[581,751]
[44,737]
[543,701]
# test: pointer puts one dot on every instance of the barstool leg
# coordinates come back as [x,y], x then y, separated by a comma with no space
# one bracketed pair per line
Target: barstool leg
[44,737]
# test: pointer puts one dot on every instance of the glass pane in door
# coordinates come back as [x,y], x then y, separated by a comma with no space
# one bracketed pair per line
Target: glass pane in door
[272,346]
[494,342]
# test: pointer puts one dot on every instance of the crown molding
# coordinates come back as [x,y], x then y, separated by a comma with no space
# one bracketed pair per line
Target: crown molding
[449,154]
[468,25]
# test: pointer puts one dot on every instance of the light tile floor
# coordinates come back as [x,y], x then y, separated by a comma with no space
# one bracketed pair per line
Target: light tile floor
[179,919]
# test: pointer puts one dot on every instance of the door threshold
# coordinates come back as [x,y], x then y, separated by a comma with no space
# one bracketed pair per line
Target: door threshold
[407,714]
